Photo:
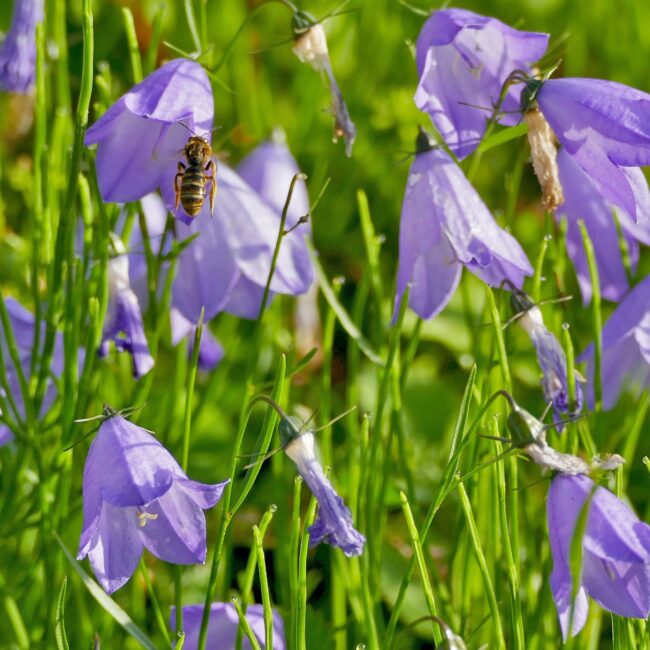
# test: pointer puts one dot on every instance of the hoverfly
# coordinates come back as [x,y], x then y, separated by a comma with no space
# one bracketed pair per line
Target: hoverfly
[194,177]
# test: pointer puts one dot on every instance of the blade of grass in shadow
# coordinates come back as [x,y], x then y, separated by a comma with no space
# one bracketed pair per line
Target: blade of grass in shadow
[346,322]
[106,602]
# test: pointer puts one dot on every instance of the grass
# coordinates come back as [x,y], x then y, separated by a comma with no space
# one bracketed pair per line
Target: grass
[475,551]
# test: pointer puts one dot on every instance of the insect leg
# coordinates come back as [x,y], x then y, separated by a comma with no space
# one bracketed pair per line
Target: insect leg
[177,189]
[212,167]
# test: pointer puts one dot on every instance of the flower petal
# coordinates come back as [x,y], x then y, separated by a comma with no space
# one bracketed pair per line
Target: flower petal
[177,534]
[115,548]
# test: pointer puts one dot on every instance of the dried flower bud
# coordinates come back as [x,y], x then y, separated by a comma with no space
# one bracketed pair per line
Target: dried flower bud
[544,154]
[311,47]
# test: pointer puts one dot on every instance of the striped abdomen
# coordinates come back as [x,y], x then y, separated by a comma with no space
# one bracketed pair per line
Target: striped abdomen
[193,190]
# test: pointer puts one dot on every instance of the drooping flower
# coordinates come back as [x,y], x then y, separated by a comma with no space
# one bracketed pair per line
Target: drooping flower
[333,523]
[22,325]
[135,495]
[464,58]
[235,246]
[123,323]
[18,50]
[444,226]
[529,434]
[140,138]
[223,624]
[269,170]
[625,348]
[615,569]
[210,350]
[551,358]
[604,126]
[582,200]
[310,46]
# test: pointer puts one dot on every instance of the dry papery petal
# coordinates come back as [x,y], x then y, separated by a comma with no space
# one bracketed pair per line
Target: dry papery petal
[311,47]
[544,154]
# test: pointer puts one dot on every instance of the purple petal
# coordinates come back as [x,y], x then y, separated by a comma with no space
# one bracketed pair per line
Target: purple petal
[426,258]
[223,624]
[562,513]
[465,58]
[602,125]
[333,524]
[115,547]
[177,534]
[205,495]
[246,299]
[210,350]
[18,49]
[269,169]
[583,201]
[124,324]
[207,271]
[126,466]
[142,130]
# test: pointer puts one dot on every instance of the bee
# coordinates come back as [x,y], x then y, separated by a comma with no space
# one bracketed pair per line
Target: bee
[190,183]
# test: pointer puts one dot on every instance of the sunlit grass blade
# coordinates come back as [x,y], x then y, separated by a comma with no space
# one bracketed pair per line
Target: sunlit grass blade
[59,625]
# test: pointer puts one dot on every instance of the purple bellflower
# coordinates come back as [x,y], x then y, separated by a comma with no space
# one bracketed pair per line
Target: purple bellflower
[582,200]
[333,523]
[551,359]
[18,50]
[464,58]
[310,46]
[626,348]
[236,246]
[223,624]
[136,495]
[269,170]
[604,126]
[444,226]
[124,324]
[210,350]
[140,138]
[615,569]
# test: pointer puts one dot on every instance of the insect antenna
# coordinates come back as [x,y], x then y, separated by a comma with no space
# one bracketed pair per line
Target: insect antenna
[193,132]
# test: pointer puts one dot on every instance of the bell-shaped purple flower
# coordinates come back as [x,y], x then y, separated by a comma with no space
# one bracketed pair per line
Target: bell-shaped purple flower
[236,245]
[135,495]
[18,50]
[626,348]
[582,200]
[604,126]
[464,58]
[140,139]
[444,226]
[333,524]
[223,624]
[551,359]
[210,350]
[269,170]
[123,323]
[615,569]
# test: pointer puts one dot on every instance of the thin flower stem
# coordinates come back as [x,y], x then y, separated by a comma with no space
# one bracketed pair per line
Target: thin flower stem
[422,567]
[570,366]
[245,625]
[264,588]
[156,32]
[250,367]
[501,346]
[191,23]
[63,252]
[482,564]
[301,641]
[160,618]
[597,318]
[539,269]
[294,545]
[132,42]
